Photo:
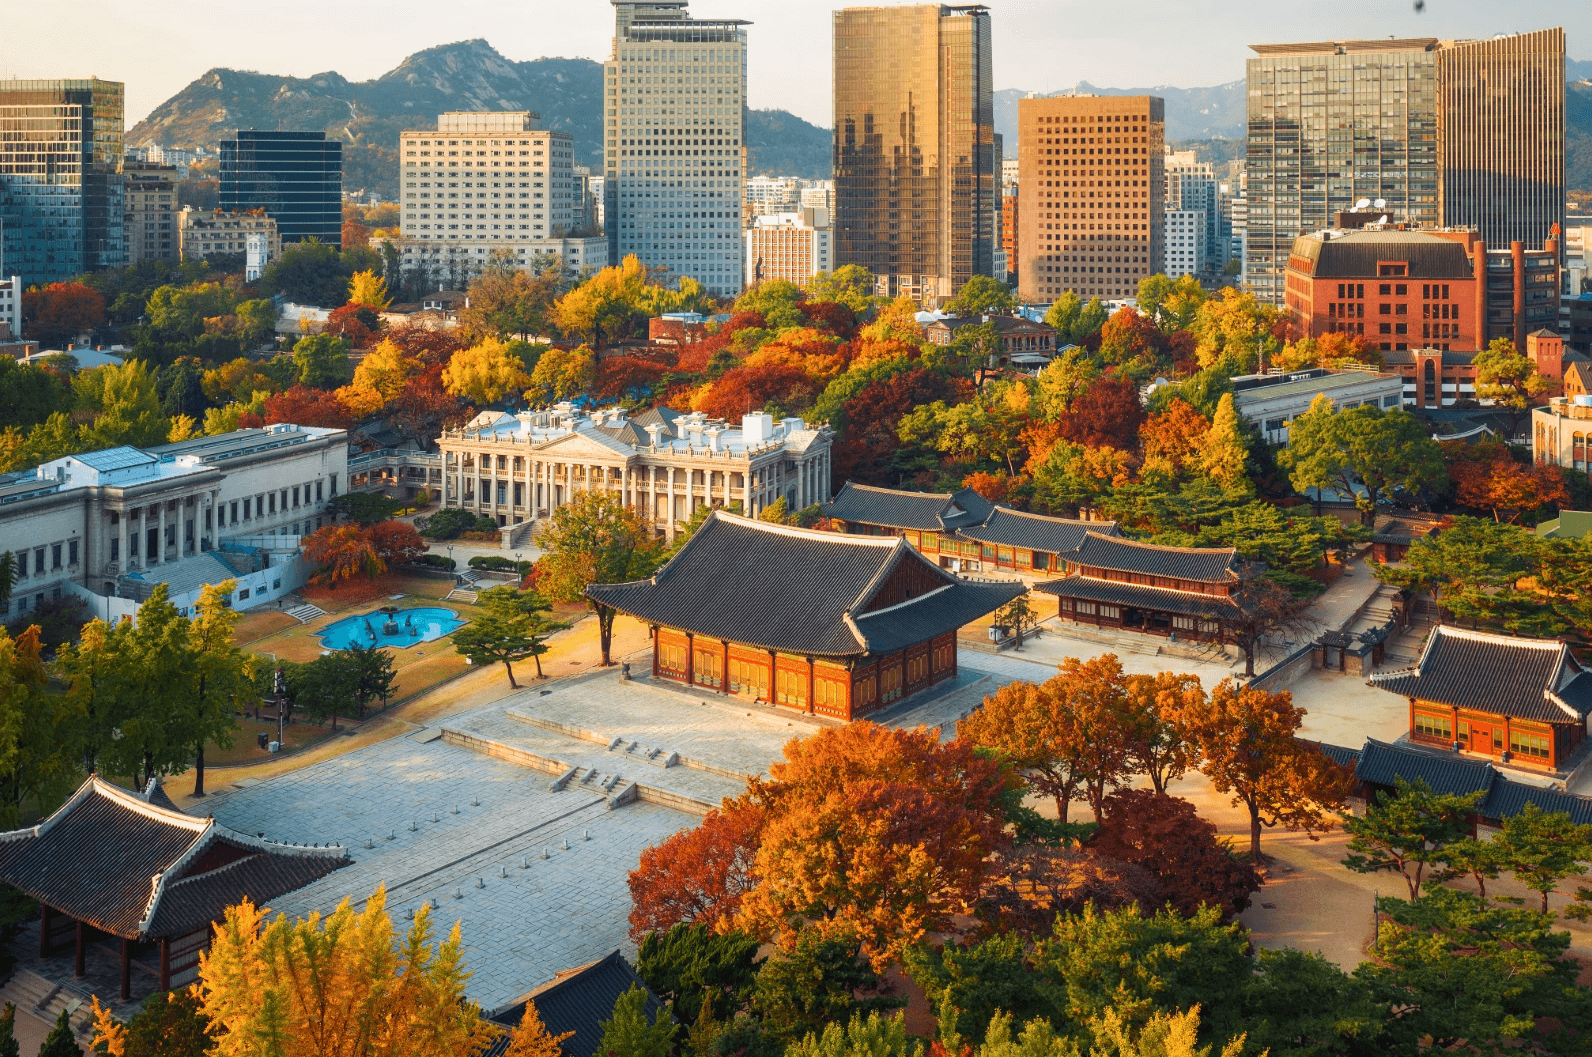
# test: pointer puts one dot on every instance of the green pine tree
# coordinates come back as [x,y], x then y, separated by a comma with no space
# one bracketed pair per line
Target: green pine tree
[628,1034]
[60,1042]
[8,1028]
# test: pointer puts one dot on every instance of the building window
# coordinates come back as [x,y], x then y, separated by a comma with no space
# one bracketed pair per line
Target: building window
[55,555]
[1539,746]
[1434,726]
[71,553]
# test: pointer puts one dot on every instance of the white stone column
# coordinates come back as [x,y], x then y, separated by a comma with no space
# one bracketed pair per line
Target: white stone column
[160,535]
[670,518]
[121,542]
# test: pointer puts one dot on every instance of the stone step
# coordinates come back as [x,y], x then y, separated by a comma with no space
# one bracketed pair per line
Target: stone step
[305,612]
[45,999]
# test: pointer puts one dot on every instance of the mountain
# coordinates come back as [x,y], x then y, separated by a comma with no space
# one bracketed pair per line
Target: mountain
[471,75]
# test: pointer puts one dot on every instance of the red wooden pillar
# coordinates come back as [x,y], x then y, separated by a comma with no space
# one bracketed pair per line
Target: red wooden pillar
[46,916]
[654,631]
[690,659]
[811,701]
[79,969]
[724,680]
[1508,740]
[165,964]
[773,677]
[127,969]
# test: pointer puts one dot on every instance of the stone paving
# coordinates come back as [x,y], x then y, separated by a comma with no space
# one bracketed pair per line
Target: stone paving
[532,916]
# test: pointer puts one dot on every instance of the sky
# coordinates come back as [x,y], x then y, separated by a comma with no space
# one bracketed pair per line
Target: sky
[1040,45]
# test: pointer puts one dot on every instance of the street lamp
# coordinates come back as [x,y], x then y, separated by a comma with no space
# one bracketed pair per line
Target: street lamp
[451,567]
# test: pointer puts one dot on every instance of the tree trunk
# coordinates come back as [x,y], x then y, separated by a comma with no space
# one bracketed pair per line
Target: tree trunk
[1414,881]
[1254,834]
[507,667]
[1481,885]
[1249,658]
[537,657]
[605,632]
[199,770]
[1544,902]
[1061,806]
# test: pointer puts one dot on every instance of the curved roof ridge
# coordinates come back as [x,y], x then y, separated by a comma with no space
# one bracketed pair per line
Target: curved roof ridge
[133,802]
[1477,635]
[1002,509]
[1123,540]
[799,532]
[903,603]
[897,491]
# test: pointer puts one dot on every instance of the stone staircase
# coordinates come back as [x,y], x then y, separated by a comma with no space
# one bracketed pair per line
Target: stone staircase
[518,536]
[32,993]
[305,612]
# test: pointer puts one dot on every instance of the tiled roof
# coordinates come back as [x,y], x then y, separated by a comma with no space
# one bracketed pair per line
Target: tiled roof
[797,590]
[1521,678]
[1052,535]
[1113,592]
[1339,754]
[930,511]
[578,1001]
[1508,798]
[1204,564]
[115,860]
[1357,254]
[1382,764]
[1404,528]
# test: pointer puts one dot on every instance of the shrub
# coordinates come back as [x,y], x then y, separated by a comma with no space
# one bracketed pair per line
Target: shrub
[437,561]
[447,524]
[496,563]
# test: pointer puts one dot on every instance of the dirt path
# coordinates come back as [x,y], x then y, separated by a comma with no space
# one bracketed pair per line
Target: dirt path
[569,653]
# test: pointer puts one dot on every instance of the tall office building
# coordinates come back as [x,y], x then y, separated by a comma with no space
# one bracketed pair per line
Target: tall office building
[674,117]
[150,216]
[1093,185]
[1501,136]
[1329,124]
[61,204]
[296,177]
[915,163]
[1452,133]
[488,186]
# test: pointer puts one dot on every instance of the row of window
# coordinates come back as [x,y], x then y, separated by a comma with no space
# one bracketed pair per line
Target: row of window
[1521,743]
[47,558]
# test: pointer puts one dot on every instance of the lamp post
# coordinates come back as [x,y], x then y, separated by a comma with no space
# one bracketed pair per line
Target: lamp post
[451,567]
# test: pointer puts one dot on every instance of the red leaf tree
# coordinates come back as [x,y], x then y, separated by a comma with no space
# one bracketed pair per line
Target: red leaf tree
[395,542]
[304,406]
[743,390]
[61,311]
[341,552]
[1107,414]
[699,875]
[866,449]
[1166,836]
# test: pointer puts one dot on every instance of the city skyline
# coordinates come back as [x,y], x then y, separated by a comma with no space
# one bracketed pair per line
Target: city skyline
[1208,47]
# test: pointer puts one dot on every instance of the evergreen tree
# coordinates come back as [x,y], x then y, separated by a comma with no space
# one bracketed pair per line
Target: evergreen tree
[60,1042]
[628,1034]
[8,1029]
[1407,832]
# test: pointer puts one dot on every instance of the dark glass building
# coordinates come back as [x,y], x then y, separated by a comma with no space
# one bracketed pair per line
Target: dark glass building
[296,177]
[61,205]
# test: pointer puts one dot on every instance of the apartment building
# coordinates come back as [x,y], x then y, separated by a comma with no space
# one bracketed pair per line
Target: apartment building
[11,308]
[1094,188]
[917,169]
[204,233]
[1185,242]
[675,145]
[789,246]
[490,185]
[150,212]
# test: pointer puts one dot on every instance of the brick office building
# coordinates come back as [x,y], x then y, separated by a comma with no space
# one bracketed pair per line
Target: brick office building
[830,624]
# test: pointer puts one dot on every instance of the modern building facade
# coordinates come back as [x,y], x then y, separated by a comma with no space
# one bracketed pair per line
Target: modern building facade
[11,308]
[296,177]
[520,468]
[491,186]
[1094,189]
[205,233]
[61,207]
[1185,241]
[1191,187]
[916,166]
[674,117]
[1273,401]
[150,215]
[1435,133]
[1501,136]
[789,246]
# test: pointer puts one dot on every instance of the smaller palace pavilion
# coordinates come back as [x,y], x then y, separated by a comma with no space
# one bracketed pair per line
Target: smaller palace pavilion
[962,531]
[113,864]
[1522,702]
[1118,583]
[827,623]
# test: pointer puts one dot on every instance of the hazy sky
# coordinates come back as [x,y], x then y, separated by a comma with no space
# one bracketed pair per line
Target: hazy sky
[1040,45]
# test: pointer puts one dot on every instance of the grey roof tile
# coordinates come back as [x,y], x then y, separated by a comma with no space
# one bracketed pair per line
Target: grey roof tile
[1383,764]
[1113,592]
[1052,535]
[1516,677]
[928,511]
[579,1001]
[1203,564]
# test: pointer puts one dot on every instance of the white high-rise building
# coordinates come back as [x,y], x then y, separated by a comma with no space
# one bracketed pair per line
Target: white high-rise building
[490,185]
[674,120]
[1185,242]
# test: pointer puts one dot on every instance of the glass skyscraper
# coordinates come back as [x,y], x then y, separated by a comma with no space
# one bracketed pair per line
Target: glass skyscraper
[296,177]
[915,159]
[674,120]
[61,204]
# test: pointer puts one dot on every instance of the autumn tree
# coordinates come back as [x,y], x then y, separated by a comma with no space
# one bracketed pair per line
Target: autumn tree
[395,542]
[1224,457]
[1171,303]
[1026,724]
[369,289]
[61,311]
[563,374]
[341,551]
[1486,476]
[699,875]
[1361,451]
[880,832]
[1165,835]
[1247,746]
[532,1039]
[345,986]
[1238,326]
[1157,745]
[595,539]
[1108,413]
[485,372]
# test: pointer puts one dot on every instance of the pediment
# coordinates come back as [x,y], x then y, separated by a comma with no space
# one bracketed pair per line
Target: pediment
[580,446]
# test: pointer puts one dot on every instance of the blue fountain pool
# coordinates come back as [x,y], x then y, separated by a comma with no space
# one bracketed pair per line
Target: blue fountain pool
[413,626]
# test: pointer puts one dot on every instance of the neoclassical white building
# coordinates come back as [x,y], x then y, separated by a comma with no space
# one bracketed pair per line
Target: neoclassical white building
[519,468]
[118,520]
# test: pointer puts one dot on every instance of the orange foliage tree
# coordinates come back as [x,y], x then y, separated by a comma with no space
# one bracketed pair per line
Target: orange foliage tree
[697,876]
[395,542]
[1157,744]
[874,832]
[619,377]
[997,487]
[1248,747]
[304,406]
[743,390]
[1175,437]
[1107,414]
[1166,836]
[1487,477]
[340,551]
[62,311]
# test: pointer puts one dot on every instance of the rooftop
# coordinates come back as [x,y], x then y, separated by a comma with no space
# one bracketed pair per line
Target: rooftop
[932,511]
[1202,564]
[1356,254]
[578,1000]
[814,593]
[613,430]
[1304,383]
[1517,677]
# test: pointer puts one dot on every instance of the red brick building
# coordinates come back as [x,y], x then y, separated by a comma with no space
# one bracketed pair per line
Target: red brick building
[825,623]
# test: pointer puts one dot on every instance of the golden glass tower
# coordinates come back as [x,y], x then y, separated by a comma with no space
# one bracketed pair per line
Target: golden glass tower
[915,157]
